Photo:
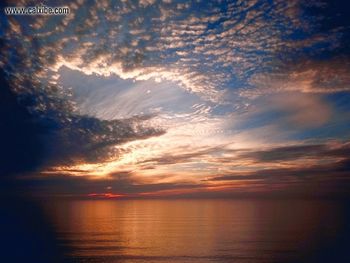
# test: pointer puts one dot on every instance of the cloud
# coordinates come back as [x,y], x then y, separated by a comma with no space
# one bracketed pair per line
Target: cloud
[299,110]
[293,152]
[336,171]
[21,147]
[115,98]
[285,153]
[118,183]
[40,129]
[298,161]
[216,88]
[321,179]
[45,115]
[169,159]
[205,52]
[306,76]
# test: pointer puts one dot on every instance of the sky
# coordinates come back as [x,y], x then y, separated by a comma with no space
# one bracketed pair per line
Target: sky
[169,98]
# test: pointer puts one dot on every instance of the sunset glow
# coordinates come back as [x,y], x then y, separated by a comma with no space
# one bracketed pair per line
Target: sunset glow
[149,97]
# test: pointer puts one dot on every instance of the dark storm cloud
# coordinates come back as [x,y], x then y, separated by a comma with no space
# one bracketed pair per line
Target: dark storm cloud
[40,126]
[21,147]
[40,129]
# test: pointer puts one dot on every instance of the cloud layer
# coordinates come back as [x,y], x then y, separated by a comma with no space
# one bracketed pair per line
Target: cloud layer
[142,97]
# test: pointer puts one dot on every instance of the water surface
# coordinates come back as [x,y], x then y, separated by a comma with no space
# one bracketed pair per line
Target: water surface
[199,230]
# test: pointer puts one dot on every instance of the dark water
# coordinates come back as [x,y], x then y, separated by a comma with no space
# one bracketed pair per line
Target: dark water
[201,231]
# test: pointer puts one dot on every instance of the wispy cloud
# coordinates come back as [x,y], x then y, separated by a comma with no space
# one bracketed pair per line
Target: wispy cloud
[176,96]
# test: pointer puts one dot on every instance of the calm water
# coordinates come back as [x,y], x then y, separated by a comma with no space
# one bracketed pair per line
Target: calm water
[198,230]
